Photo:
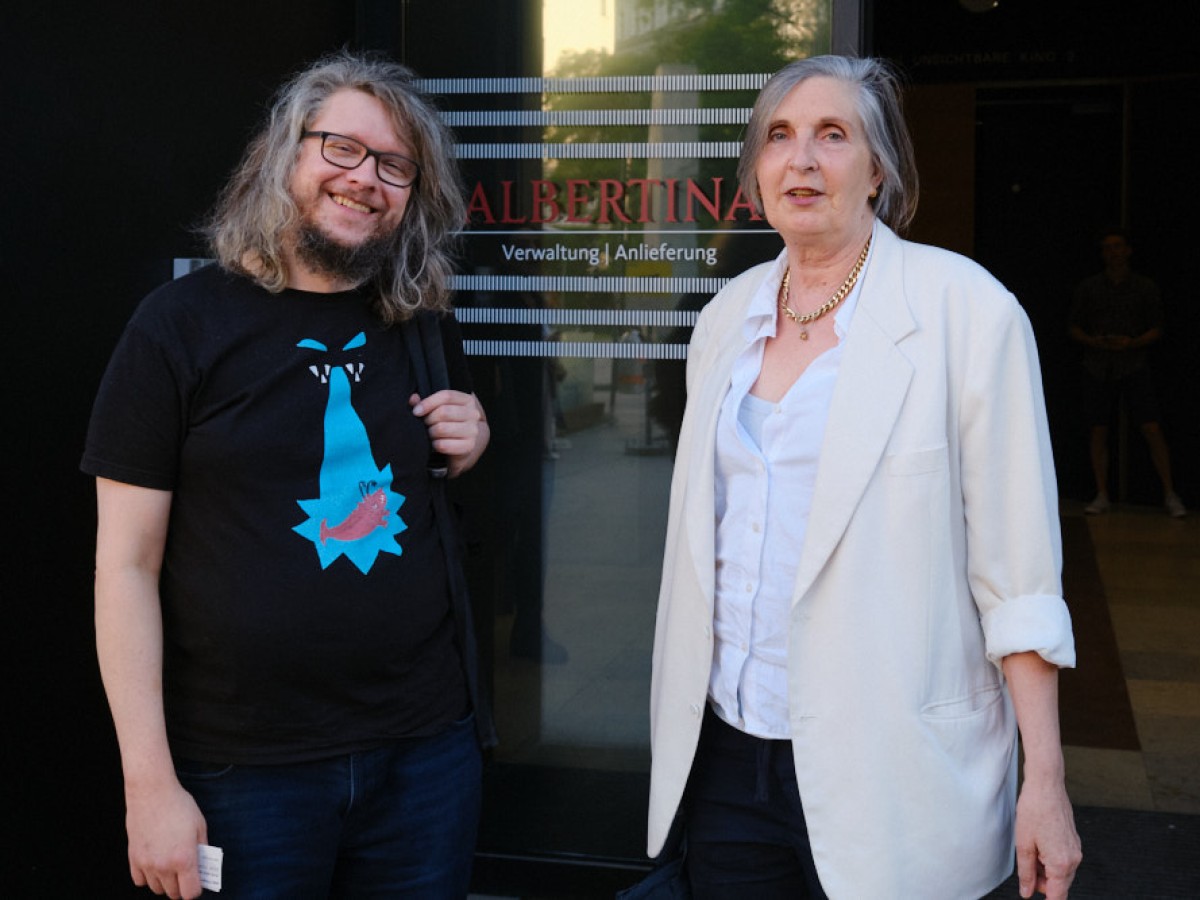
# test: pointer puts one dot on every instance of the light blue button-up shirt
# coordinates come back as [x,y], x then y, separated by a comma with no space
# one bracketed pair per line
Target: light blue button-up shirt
[766,469]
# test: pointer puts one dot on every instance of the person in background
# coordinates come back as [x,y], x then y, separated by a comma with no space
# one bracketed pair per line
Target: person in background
[861,597]
[274,622]
[1116,315]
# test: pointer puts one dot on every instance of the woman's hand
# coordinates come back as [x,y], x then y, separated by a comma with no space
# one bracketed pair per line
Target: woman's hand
[1048,848]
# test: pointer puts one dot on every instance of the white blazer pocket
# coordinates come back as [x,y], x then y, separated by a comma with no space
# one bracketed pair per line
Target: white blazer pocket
[918,462]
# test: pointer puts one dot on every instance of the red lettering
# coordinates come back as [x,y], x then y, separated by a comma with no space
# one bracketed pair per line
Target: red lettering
[544,195]
[741,201]
[508,217]
[609,200]
[577,197]
[672,214]
[479,205]
[711,206]
[645,214]
[611,192]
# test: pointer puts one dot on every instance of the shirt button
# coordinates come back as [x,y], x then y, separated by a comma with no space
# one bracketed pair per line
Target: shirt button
[756,528]
[695,707]
[707,631]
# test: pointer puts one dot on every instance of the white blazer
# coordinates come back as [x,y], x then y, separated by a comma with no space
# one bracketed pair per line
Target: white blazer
[933,551]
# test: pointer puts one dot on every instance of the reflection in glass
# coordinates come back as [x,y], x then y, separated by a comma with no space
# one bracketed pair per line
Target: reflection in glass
[604,213]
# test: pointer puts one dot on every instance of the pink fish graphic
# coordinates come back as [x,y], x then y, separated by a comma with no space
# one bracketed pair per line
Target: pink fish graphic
[370,513]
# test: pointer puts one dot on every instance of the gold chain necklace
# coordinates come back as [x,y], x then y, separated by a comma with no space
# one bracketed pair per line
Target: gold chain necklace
[838,296]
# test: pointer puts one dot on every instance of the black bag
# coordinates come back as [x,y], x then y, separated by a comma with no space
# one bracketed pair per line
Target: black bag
[668,879]
[665,882]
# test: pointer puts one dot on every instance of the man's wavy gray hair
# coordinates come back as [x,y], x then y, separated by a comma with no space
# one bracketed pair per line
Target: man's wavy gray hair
[255,213]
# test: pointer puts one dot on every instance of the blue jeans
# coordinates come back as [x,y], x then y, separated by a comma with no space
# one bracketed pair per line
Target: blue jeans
[397,821]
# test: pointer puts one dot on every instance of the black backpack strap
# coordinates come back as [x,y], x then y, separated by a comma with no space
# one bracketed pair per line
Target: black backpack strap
[423,337]
[429,326]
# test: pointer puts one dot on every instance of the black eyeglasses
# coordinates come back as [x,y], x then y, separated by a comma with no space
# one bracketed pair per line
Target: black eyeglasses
[347,153]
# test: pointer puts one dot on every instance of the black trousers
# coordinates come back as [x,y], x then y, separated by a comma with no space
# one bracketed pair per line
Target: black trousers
[745,828]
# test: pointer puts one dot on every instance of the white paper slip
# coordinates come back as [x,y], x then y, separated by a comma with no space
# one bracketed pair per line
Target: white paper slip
[210,867]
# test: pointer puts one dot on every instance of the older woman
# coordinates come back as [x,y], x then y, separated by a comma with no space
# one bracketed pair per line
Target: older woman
[861,595]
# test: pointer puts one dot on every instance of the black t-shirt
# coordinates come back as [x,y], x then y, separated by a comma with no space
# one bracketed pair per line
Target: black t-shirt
[304,591]
[1130,307]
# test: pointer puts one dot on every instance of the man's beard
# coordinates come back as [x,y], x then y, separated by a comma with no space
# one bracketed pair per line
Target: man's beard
[355,264]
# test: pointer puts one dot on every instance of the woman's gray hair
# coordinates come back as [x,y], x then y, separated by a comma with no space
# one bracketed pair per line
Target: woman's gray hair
[255,213]
[882,114]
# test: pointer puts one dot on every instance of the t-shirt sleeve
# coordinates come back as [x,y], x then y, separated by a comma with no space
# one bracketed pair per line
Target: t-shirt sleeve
[138,417]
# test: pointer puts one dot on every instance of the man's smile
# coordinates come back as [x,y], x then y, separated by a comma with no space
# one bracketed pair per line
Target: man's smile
[342,200]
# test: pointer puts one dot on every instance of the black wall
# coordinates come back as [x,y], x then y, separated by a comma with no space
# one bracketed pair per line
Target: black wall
[121,120]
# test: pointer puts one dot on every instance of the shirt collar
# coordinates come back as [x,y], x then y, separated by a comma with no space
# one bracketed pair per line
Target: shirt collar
[759,323]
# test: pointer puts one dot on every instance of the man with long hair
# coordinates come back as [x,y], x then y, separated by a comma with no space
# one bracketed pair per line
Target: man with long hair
[276,627]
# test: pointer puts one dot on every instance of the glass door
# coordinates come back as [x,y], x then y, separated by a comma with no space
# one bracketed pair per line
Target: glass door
[604,213]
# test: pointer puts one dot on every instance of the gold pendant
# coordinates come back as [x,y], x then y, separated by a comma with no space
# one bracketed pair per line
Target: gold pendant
[803,335]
